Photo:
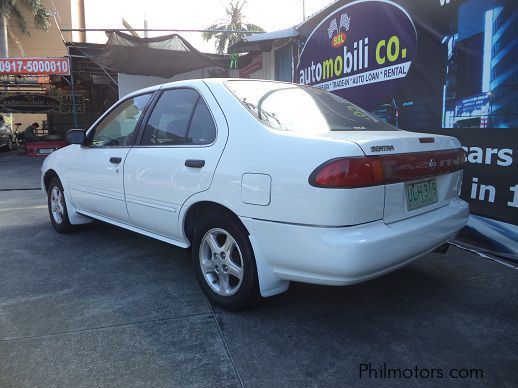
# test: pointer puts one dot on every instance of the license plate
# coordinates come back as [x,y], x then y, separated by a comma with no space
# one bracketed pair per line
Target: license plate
[419,194]
[45,151]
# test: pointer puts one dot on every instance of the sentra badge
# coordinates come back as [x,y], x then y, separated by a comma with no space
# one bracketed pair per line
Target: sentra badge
[382,148]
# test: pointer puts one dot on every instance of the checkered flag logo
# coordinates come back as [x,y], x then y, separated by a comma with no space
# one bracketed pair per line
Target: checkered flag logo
[345,21]
[332,28]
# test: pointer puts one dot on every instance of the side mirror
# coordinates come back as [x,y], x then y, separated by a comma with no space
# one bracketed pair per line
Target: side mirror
[76,136]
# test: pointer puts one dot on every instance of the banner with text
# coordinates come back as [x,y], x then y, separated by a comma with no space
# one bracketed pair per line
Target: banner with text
[35,66]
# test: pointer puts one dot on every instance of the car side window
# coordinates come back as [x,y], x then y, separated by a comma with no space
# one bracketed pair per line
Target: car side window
[202,129]
[119,126]
[170,118]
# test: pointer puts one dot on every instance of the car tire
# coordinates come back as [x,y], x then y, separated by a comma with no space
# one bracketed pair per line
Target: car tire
[57,206]
[224,262]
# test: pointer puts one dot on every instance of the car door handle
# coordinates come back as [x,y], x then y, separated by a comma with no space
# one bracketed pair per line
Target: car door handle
[116,160]
[194,163]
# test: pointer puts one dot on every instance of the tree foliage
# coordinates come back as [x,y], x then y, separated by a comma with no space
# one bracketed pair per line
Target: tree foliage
[12,10]
[235,21]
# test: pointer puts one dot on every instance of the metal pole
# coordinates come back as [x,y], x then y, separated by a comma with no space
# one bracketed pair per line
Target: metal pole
[72,89]
[78,20]
[4,45]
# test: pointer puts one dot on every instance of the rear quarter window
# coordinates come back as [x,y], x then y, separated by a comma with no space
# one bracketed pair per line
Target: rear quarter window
[202,129]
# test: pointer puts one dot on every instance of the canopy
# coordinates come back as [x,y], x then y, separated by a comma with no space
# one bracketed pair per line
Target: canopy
[163,56]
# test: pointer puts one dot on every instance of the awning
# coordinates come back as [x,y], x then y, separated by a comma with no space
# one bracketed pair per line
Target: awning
[261,42]
[163,56]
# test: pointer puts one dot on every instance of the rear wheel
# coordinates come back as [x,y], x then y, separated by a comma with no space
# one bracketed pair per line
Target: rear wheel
[224,262]
[58,208]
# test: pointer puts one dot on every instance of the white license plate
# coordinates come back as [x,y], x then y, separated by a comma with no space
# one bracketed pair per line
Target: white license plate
[420,194]
[45,151]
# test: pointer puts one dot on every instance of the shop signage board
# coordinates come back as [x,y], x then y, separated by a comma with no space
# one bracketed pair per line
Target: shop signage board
[29,103]
[436,67]
[361,52]
[490,186]
[473,107]
[67,101]
[61,103]
[490,181]
[35,66]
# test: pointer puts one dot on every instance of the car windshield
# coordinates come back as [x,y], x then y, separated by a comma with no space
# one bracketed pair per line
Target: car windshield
[290,107]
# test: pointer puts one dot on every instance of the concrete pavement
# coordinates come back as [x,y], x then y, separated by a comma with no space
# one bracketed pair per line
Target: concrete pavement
[108,307]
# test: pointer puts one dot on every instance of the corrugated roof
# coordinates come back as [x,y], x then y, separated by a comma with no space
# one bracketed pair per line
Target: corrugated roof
[263,41]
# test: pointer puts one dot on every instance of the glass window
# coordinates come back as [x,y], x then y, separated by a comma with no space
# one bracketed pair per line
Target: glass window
[170,118]
[118,128]
[306,109]
[202,129]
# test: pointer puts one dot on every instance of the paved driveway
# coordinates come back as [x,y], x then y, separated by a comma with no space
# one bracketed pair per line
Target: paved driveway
[108,307]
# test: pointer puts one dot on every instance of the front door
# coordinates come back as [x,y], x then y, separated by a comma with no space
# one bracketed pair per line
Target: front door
[177,156]
[95,177]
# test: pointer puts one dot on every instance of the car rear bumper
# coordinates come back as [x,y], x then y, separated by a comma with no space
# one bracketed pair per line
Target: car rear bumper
[43,148]
[348,255]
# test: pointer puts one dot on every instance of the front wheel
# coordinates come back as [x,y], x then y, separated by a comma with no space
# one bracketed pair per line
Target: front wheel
[224,262]
[58,208]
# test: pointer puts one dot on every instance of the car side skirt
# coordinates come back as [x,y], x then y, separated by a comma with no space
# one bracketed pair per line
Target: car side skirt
[181,244]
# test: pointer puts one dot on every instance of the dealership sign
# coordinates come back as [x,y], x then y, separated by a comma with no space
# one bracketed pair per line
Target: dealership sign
[40,103]
[29,103]
[35,66]
[361,52]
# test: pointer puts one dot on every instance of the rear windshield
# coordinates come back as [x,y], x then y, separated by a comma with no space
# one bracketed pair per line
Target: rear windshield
[298,108]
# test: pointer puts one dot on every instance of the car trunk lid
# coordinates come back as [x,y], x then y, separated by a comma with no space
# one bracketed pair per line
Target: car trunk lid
[394,142]
[422,172]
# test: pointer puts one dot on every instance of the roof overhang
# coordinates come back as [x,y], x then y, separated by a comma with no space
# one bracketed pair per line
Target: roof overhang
[262,42]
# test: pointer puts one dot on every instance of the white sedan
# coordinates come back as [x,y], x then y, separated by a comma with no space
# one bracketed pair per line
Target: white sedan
[267,182]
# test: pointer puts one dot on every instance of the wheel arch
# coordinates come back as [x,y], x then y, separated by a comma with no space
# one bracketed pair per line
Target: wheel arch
[199,208]
[269,282]
[74,217]
[48,176]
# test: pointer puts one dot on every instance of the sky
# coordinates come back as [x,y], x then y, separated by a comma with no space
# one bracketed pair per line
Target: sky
[187,14]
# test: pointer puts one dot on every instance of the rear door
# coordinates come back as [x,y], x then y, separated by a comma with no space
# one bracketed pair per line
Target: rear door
[181,143]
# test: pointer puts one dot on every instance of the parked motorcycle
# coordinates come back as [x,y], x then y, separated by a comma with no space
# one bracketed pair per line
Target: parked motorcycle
[15,139]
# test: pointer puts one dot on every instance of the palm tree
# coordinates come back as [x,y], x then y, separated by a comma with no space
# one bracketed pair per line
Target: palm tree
[233,22]
[12,10]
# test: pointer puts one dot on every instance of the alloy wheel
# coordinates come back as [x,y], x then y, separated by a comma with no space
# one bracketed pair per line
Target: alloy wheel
[221,262]
[57,205]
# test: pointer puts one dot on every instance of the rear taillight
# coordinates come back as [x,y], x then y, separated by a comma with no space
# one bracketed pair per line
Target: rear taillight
[345,173]
[348,173]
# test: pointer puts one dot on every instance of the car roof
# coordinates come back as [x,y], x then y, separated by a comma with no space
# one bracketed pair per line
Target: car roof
[192,82]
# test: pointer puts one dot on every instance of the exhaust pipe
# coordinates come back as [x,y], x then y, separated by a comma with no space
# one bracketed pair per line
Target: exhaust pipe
[442,248]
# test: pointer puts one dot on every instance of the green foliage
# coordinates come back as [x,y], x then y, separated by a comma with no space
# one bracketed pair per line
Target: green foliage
[235,22]
[12,10]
